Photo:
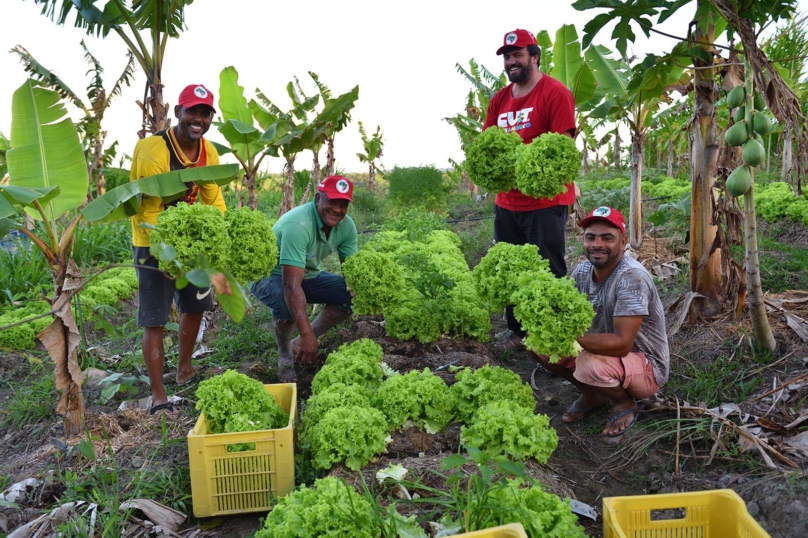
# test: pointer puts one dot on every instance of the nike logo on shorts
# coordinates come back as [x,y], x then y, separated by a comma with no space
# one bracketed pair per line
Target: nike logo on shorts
[200,295]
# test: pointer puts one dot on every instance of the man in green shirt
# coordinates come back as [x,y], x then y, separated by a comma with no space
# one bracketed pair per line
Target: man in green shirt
[306,235]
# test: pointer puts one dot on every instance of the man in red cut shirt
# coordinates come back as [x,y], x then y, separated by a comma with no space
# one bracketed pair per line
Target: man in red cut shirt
[532,104]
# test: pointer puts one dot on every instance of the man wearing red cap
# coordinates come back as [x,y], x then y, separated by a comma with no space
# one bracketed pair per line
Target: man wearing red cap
[306,235]
[532,104]
[180,147]
[625,353]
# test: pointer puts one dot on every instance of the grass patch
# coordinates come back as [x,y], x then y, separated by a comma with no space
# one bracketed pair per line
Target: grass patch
[251,339]
[30,403]
[723,380]
[782,266]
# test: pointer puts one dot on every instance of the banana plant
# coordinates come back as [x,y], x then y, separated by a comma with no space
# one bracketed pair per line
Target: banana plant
[99,100]
[373,146]
[333,118]
[4,145]
[48,180]
[144,26]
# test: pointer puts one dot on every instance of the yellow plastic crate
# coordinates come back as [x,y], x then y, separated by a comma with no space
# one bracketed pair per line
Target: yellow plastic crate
[719,513]
[225,482]
[512,530]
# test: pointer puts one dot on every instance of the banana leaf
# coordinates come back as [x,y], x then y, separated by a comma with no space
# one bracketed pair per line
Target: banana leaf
[124,201]
[45,149]
[11,196]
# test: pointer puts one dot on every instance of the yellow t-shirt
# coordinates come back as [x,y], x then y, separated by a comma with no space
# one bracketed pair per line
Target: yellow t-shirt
[152,157]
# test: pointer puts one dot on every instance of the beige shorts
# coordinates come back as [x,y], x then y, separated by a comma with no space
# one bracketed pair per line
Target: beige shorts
[633,372]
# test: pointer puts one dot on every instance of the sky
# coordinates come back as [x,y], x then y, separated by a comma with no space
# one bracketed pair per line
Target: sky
[401,54]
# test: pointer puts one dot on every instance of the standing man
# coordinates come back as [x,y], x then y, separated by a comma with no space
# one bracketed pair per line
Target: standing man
[532,104]
[306,235]
[625,353]
[180,147]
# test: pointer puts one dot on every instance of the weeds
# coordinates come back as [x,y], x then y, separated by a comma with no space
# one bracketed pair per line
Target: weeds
[723,380]
[30,404]
[252,338]
[100,244]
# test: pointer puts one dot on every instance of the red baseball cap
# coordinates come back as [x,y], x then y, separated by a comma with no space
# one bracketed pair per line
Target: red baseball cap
[337,188]
[605,214]
[518,38]
[196,94]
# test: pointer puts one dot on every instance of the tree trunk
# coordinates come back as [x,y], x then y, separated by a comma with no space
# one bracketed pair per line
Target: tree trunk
[585,157]
[372,177]
[761,329]
[670,159]
[61,338]
[155,112]
[617,149]
[315,169]
[249,182]
[787,154]
[705,260]
[288,199]
[635,214]
[330,159]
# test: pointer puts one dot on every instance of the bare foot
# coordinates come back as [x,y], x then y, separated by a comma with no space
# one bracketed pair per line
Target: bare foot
[619,419]
[286,370]
[186,376]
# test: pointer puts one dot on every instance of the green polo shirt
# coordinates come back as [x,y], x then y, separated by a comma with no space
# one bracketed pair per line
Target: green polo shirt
[302,242]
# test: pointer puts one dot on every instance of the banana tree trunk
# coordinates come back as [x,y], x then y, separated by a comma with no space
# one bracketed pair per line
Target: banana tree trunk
[670,159]
[705,261]
[617,149]
[635,214]
[330,159]
[372,177]
[761,329]
[249,183]
[787,153]
[585,157]
[288,198]
[155,111]
[315,169]
[61,338]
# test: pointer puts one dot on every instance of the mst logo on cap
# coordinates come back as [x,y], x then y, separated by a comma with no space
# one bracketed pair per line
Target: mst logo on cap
[337,188]
[200,92]
[510,39]
[517,38]
[342,186]
[196,94]
[602,212]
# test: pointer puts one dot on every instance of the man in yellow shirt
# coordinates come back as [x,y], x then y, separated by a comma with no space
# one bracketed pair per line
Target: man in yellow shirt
[177,148]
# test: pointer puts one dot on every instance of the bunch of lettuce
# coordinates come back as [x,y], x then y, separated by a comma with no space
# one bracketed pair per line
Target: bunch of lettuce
[376,280]
[496,276]
[542,514]
[501,427]
[336,395]
[24,336]
[420,398]
[253,246]
[357,363]
[491,159]
[473,389]
[350,435]
[193,231]
[553,312]
[332,508]
[546,165]
[233,402]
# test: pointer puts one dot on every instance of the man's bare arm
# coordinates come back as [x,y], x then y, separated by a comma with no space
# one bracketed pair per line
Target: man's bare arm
[616,344]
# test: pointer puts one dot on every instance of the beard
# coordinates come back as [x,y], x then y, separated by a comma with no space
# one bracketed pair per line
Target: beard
[606,259]
[519,75]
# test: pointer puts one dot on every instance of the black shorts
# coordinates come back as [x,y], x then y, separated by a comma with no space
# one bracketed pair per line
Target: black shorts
[156,293]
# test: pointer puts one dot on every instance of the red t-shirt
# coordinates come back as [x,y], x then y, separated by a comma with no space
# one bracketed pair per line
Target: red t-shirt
[548,108]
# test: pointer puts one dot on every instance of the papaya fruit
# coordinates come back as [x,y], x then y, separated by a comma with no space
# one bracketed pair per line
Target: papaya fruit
[753,153]
[739,181]
[740,114]
[737,135]
[759,101]
[736,96]
[761,123]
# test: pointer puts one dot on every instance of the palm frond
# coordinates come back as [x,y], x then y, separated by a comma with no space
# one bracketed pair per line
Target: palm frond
[322,88]
[96,86]
[47,77]
[126,78]
[271,107]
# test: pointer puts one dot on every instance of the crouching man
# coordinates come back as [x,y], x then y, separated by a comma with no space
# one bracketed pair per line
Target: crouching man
[306,235]
[625,354]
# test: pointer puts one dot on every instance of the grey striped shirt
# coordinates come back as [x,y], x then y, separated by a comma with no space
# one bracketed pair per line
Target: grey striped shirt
[629,291]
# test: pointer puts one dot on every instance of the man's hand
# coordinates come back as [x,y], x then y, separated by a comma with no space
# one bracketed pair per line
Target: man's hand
[306,354]
[221,284]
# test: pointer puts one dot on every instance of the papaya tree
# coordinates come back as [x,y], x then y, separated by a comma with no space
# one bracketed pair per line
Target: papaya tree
[98,101]
[145,28]
[373,146]
[712,18]
[48,180]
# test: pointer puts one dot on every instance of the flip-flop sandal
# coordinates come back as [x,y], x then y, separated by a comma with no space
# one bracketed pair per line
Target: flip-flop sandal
[573,410]
[168,407]
[613,418]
